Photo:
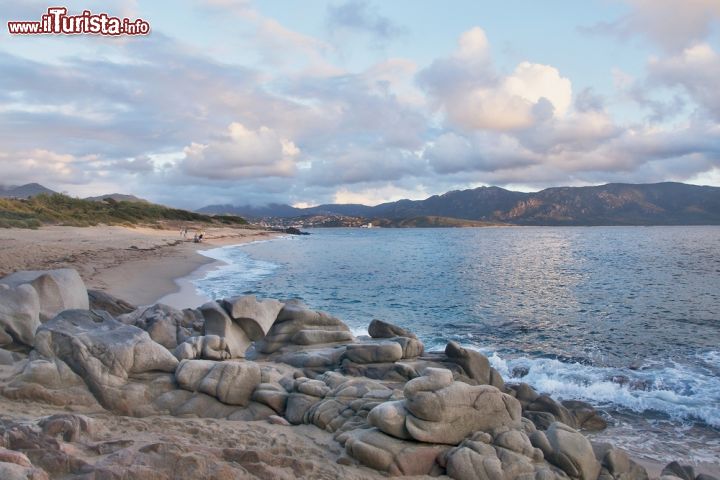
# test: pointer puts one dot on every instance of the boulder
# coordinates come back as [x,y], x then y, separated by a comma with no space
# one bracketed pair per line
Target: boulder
[231,382]
[475,364]
[440,410]
[571,451]
[685,472]
[57,290]
[218,322]
[104,353]
[208,347]
[374,352]
[374,449]
[166,325]
[411,347]
[617,463]
[19,314]
[100,300]
[254,316]
[297,327]
[381,329]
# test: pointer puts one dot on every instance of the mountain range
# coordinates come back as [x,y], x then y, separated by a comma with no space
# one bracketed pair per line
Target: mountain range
[666,203]
[32,189]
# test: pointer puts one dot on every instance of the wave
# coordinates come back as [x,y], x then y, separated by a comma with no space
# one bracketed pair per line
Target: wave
[681,392]
[238,272]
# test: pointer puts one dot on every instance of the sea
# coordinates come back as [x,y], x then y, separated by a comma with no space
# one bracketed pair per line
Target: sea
[626,318]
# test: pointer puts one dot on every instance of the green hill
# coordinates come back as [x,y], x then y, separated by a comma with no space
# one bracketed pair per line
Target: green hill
[57,209]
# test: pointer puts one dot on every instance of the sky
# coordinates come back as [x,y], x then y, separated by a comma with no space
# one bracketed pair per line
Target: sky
[361,101]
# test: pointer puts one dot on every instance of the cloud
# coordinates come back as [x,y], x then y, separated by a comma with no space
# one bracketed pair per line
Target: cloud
[670,24]
[241,153]
[696,70]
[473,95]
[361,16]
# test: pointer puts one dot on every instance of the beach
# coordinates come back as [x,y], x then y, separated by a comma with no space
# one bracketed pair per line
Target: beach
[139,265]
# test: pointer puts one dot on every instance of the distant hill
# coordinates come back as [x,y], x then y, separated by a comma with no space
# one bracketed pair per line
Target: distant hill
[57,209]
[118,197]
[24,191]
[667,203]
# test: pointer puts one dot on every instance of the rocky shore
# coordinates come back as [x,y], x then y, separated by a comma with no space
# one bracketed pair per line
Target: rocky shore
[95,388]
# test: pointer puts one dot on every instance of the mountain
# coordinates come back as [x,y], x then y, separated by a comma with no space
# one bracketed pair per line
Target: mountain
[24,191]
[665,203]
[118,197]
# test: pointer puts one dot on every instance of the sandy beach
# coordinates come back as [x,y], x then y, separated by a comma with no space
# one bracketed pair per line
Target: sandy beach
[139,265]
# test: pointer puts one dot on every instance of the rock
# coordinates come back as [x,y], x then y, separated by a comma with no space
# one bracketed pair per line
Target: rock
[617,463]
[274,396]
[57,290]
[276,420]
[525,393]
[208,347]
[475,364]
[231,382]
[13,471]
[585,415]
[6,358]
[411,347]
[572,452]
[104,353]
[382,452]
[440,410]
[381,329]
[166,325]
[297,326]
[685,472]
[374,352]
[66,426]
[254,316]
[390,417]
[544,403]
[218,322]
[19,313]
[100,300]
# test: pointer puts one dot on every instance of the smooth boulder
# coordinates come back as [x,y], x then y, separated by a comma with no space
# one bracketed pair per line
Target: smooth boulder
[254,316]
[218,322]
[57,290]
[19,314]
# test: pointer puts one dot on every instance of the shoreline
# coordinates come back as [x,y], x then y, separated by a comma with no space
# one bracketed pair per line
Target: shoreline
[139,265]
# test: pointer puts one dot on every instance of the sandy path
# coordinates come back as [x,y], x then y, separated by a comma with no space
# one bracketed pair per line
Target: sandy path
[136,264]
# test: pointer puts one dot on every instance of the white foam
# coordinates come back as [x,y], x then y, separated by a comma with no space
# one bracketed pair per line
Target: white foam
[236,275]
[683,392]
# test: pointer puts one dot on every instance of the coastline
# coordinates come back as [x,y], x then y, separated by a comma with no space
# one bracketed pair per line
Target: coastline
[139,265]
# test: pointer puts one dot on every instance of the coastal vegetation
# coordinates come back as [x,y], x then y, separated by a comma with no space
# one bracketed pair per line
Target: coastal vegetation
[59,209]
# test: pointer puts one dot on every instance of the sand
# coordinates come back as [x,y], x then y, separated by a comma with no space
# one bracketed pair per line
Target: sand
[139,265]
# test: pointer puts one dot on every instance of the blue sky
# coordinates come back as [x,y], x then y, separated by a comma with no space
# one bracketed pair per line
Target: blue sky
[242,101]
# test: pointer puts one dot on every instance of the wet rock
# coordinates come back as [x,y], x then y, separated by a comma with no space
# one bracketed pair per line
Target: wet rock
[570,451]
[685,472]
[617,464]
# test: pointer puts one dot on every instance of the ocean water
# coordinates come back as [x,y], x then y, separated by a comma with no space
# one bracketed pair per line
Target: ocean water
[627,318]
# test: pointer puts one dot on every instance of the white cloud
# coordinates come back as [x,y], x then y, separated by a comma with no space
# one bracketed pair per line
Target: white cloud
[474,96]
[242,153]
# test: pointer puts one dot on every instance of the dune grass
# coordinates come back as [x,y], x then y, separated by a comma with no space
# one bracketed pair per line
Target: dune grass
[58,209]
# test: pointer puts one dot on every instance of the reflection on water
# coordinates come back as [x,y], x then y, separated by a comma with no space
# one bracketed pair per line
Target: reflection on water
[626,317]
